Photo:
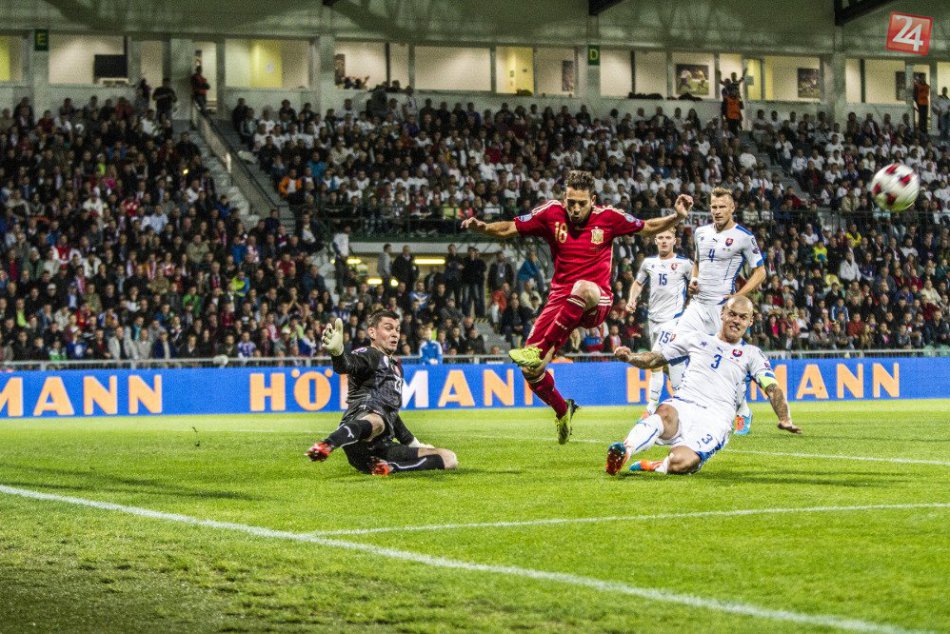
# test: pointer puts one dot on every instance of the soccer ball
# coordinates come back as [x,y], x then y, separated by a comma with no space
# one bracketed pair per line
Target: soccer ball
[895,187]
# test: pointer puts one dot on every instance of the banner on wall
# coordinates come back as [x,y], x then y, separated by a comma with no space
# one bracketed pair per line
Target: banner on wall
[301,390]
[909,33]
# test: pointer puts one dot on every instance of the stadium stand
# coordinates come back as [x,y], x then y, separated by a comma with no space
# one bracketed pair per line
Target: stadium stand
[832,257]
[116,244]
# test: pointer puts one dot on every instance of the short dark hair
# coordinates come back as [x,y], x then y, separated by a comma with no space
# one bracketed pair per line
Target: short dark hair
[376,316]
[580,179]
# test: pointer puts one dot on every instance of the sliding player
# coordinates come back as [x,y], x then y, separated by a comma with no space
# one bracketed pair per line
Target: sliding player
[371,422]
[696,422]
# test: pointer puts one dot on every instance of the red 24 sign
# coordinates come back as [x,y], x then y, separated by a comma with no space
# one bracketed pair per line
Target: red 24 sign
[909,33]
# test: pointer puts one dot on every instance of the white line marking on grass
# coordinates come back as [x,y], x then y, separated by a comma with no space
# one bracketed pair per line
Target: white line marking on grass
[651,594]
[940,463]
[630,518]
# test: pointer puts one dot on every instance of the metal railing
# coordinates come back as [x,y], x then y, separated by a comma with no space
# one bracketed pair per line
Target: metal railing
[260,200]
[221,361]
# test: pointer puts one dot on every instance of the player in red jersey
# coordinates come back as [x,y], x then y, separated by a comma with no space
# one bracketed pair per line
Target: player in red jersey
[580,236]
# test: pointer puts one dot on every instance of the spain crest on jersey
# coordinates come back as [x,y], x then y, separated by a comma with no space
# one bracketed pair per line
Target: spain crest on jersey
[596,235]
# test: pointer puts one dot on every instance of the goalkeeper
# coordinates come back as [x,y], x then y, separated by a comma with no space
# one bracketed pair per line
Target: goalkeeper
[371,423]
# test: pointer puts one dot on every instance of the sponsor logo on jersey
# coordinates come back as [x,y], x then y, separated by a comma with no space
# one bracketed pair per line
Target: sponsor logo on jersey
[596,235]
[729,242]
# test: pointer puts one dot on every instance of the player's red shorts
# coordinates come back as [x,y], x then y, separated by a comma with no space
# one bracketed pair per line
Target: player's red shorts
[593,317]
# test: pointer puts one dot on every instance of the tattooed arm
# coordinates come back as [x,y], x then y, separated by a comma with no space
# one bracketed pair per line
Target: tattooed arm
[780,407]
[642,360]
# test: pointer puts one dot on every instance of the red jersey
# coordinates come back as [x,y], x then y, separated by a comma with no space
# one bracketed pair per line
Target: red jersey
[580,253]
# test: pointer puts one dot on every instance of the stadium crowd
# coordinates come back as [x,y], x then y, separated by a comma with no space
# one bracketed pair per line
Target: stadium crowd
[115,243]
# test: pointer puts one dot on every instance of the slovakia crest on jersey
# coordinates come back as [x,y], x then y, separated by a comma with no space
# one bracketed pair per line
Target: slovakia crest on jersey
[596,235]
[736,353]
[729,242]
[673,266]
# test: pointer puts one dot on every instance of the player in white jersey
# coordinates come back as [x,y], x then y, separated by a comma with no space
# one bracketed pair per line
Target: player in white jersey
[668,274]
[696,422]
[722,249]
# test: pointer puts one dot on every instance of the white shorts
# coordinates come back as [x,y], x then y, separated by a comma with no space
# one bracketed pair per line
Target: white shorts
[654,332]
[705,318]
[700,429]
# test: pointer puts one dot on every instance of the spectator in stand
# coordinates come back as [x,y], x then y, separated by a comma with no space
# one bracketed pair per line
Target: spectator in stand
[922,102]
[384,265]
[199,90]
[473,284]
[430,350]
[500,273]
[405,269]
[165,99]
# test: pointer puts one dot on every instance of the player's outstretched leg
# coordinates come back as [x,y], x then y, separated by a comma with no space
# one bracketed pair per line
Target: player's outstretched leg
[743,422]
[346,434]
[643,436]
[543,386]
[557,321]
[430,460]
[680,461]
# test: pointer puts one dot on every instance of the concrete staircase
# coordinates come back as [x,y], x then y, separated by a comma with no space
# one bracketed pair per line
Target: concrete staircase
[225,185]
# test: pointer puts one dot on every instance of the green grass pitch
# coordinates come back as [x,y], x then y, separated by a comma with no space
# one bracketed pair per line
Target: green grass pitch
[832,542]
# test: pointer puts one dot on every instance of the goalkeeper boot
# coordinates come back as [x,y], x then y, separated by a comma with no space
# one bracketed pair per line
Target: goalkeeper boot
[381,468]
[743,424]
[645,465]
[616,456]
[528,357]
[320,451]
[563,423]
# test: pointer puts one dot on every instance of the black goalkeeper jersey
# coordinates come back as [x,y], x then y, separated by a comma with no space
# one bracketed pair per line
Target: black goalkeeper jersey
[375,380]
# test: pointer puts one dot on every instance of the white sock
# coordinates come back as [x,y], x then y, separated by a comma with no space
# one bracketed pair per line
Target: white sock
[744,409]
[656,388]
[644,434]
[664,466]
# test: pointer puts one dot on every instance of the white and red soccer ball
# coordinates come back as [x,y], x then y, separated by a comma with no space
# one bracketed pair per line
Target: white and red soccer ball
[895,187]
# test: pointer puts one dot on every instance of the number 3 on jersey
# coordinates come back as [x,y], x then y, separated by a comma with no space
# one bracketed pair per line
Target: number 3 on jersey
[716,361]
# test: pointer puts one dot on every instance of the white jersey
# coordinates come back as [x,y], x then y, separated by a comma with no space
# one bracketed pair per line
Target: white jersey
[721,256]
[662,334]
[668,281]
[717,372]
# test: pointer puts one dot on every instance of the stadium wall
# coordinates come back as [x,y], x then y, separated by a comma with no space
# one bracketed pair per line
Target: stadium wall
[243,390]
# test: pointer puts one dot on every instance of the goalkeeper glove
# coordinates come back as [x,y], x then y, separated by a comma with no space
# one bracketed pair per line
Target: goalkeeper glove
[333,338]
